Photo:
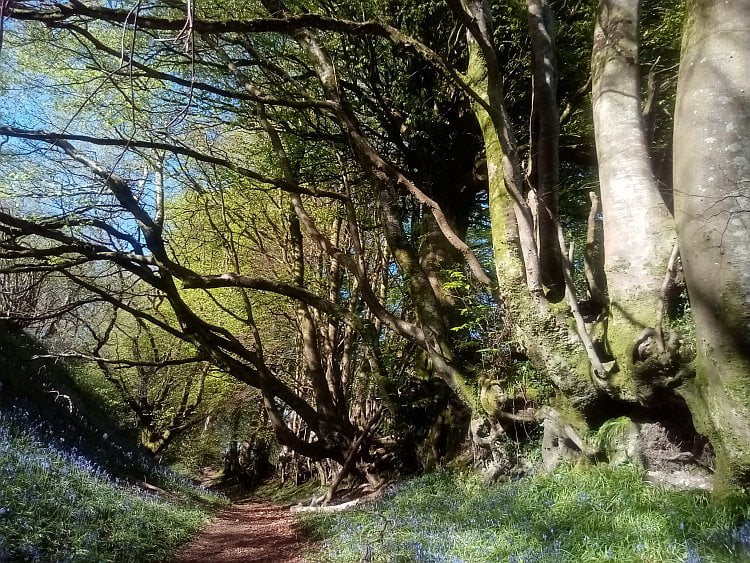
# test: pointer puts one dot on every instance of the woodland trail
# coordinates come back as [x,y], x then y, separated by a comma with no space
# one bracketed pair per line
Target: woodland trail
[247,531]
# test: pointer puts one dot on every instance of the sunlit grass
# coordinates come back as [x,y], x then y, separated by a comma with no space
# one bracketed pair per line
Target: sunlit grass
[589,515]
[55,505]
[275,492]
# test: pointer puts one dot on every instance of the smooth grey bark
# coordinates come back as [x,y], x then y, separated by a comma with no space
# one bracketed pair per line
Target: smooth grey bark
[712,208]
[544,160]
[638,229]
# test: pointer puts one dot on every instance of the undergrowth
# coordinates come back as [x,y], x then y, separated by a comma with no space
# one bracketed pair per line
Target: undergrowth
[273,491]
[576,515]
[56,505]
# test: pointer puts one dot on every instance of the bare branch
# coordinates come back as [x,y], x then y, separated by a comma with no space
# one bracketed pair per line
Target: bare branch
[59,140]
[124,363]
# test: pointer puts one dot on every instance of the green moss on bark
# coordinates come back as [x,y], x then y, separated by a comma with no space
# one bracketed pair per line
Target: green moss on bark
[732,470]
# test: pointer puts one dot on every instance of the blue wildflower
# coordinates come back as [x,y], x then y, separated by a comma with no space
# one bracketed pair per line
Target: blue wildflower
[692,556]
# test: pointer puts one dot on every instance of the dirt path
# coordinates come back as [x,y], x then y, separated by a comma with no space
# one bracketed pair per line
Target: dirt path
[247,531]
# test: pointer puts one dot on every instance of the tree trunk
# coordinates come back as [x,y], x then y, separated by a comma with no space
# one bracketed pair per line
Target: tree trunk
[712,207]
[638,230]
[544,335]
[544,161]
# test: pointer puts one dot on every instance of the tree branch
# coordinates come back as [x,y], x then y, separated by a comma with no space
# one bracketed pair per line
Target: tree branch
[125,363]
[59,140]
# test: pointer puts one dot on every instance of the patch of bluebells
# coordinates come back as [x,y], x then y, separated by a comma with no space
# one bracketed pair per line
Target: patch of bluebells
[67,444]
[51,443]
[738,538]
[561,517]
[418,553]
[59,505]
[741,536]
[50,458]
[76,434]
[692,555]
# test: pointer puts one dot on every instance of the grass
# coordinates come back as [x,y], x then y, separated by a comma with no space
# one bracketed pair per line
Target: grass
[273,491]
[588,515]
[56,505]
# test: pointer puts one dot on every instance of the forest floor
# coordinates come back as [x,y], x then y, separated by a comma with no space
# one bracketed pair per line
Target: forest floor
[248,531]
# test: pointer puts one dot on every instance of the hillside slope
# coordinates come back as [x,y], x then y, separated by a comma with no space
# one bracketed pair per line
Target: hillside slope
[71,486]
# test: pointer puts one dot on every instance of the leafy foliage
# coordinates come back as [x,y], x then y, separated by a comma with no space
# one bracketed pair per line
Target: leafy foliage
[300,199]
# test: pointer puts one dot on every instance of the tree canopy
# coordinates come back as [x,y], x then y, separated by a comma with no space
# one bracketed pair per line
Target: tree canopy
[399,221]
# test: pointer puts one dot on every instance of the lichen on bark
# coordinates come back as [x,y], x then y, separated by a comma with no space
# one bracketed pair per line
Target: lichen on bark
[712,210]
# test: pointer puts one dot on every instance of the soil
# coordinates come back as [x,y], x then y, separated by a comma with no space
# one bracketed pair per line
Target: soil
[248,531]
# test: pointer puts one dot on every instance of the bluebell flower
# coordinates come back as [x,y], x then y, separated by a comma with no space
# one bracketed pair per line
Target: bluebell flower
[31,551]
[742,535]
[693,556]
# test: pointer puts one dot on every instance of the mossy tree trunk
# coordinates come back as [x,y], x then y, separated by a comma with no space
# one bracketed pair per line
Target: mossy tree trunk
[638,229]
[622,359]
[541,329]
[712,207]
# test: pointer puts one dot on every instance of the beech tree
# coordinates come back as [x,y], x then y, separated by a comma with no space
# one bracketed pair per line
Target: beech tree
[345,100]
[712,210]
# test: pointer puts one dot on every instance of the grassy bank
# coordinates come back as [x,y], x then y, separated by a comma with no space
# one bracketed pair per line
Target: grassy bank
[56,505]
[590,515]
